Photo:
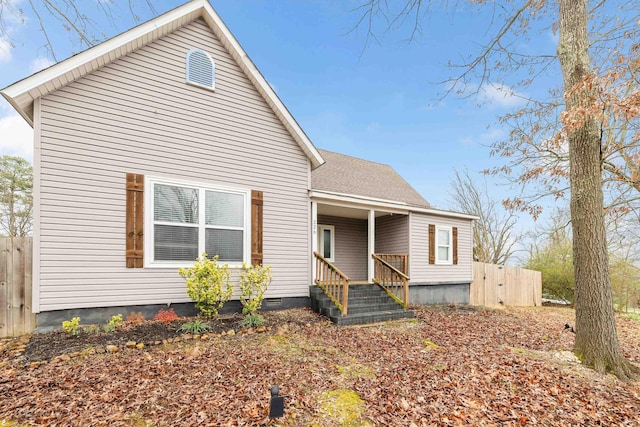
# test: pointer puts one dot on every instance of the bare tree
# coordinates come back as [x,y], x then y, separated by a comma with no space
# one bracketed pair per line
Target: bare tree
[79,19]
[581,105]
[494,237]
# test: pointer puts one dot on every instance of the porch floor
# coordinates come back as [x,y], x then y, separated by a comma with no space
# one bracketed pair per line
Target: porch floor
[368,303]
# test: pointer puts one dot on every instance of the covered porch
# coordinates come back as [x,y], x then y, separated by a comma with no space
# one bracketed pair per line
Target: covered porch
[355,244]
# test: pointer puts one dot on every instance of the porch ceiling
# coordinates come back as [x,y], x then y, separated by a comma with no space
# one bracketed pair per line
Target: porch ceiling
[344,212]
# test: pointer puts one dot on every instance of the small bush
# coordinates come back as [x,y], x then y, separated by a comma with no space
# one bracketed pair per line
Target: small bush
[72,326]
[116,321]
[253,320]
[165,315]
[208,285]
[135,318]
[254,282]
[194,327]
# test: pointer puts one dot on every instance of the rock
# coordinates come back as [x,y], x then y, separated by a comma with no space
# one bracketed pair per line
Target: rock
[100,349]
[204,337]
[223,333]
[63,357]
[112,348]
[187,337]
[307,325]
[196,337]
[251,331]
[140,346]
[231,332]
[157,342]
[261,329]
[130,344]
[165,341]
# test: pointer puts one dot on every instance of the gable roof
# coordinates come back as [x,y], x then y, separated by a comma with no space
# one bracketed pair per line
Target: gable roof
[353,176]
[23,93]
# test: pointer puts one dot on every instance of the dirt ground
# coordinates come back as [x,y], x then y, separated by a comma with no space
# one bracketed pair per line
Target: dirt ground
[450,366]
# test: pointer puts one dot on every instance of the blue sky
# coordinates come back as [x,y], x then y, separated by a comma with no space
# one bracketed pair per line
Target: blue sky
[380,103]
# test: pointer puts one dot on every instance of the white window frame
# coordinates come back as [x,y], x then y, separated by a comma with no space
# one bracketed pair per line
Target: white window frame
[149,255]
[188,67]
[449,260]
[332,244]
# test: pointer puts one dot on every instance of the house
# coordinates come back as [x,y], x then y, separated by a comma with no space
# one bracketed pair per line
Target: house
[166,141]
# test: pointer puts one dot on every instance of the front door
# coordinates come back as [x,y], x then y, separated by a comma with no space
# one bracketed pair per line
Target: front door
[326,242]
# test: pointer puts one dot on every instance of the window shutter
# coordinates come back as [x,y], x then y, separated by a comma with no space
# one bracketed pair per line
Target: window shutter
[455,245]
[256,227]
[432,244]
[135,216]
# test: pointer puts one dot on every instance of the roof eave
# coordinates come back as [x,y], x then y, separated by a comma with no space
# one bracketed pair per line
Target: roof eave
[329,195]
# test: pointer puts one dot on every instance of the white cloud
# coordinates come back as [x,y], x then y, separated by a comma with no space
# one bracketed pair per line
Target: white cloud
[486,138]
[16,137]
[501,95]
[39,63]
[5,50]
[373,127]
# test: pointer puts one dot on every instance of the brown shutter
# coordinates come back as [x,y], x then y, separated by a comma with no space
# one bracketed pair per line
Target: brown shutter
[135,224]
[256,227]
[432,244]
[455,245]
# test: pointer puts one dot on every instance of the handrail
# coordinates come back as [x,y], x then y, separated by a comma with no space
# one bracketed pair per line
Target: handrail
[392,280]
[399,261]
[333,282]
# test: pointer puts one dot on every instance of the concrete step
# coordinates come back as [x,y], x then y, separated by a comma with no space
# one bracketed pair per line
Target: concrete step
[367,304]
[333,311]
[375,317]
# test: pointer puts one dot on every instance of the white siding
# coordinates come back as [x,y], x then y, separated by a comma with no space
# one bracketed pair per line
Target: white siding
[392,234]
[351,245]
[420,270]
[138,115]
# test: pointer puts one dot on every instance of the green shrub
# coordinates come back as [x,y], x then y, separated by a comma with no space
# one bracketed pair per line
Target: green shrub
[72,326]
[254,281]
[208,285]
[253,320]
[194,327]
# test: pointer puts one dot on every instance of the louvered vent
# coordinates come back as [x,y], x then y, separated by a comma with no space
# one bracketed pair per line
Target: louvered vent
[200,69]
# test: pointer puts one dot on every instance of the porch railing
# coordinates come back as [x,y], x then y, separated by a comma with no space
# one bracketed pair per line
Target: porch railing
[399,261]
[391,279]
[333,282]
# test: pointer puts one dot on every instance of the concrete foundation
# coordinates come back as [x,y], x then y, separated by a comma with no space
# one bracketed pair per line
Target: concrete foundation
[438,293]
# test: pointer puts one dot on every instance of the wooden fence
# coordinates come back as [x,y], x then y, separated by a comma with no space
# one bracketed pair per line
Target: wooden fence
[496,285]
[16,317]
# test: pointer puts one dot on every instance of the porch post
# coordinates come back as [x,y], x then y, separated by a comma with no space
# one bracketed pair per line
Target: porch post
[314,239]
[372,243]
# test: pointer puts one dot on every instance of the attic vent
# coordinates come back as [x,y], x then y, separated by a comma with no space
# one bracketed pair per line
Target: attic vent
[201,70]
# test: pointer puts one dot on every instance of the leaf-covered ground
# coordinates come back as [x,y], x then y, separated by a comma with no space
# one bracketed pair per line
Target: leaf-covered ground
[450,366]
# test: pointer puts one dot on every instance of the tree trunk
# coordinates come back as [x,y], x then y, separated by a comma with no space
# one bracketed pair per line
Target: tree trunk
[596,337]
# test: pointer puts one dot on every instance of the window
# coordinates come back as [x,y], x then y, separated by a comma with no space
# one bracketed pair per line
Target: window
[201,71]
[326,242]
[188,219]
[444,246]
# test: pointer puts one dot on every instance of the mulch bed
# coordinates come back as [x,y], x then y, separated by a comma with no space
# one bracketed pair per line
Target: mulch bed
[48,345]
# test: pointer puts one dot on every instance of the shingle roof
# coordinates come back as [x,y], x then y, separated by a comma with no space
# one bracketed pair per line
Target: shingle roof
[351,175]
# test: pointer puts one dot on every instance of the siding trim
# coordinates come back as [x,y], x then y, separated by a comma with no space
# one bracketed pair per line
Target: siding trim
[37,153]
